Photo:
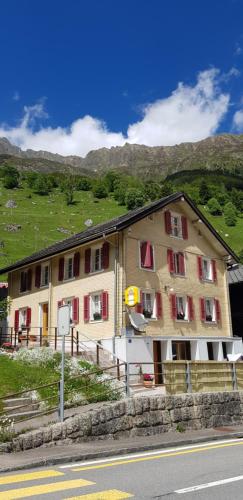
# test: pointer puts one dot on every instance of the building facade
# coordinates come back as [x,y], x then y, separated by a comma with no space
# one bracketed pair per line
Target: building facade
[166,249]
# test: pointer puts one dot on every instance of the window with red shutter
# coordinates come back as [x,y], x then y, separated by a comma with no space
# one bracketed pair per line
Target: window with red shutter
[87,261]
[184,228]
[38,276]
[86,308]
[214,270]
[168,227]
[76,264]
[158,299]
[105,255]
[139,307]
[173,306]
[146,255]
[75,308]
[181,262]
[61,269]
[170,260]
[29,279]
[190,308]
[105,306]
[28,317]
[16,320]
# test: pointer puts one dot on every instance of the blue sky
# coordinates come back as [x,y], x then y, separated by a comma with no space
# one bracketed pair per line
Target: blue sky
[78,75]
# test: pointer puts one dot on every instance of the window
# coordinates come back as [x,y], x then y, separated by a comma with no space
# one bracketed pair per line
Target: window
[96,259]
[25,280]
[176,226]
[68,268]
[23,317]
[146,255]
[181,308]
[96,307]
[181,350]
[69,302]
[207,270]
[179,263]
[44,275]
[209,310]
[148,305]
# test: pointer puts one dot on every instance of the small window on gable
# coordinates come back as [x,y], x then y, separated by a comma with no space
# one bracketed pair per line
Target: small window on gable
[68,268]
[176,226]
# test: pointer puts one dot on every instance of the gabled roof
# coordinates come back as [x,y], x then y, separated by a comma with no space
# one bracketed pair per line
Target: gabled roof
[113,226]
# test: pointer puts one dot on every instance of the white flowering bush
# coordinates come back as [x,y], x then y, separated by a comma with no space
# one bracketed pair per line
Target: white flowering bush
[7,431]
[38,356]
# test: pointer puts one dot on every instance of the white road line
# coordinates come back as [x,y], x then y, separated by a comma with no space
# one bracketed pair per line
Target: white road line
[147,454]
[209,485]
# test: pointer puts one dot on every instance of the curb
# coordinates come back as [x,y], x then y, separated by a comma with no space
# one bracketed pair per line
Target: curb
[40,462]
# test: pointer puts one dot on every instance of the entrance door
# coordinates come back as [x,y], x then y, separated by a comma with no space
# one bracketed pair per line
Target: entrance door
[158,376]
[45,320]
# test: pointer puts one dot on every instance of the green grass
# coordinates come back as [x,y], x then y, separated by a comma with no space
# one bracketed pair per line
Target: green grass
[41,216]
[232,235]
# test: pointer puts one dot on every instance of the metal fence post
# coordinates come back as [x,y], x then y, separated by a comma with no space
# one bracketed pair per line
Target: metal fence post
[77,339]
[72,341]
[127,379]
[188,378]
[97,354]
[40,336]
[234,377]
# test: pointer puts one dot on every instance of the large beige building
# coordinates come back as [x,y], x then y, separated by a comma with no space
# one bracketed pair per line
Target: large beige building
[168,250]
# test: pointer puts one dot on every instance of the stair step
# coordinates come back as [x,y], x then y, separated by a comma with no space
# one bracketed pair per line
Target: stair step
[16,402]
[16,409]
[31,413]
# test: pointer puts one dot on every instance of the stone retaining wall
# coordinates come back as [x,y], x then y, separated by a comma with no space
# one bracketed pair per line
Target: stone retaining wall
[139,416]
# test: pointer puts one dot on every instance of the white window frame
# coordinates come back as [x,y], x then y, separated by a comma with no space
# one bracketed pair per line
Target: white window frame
[209,261]
[153,302]
[93,259]
[43,267]
[68,301]
[22,317]
[185,307]
[92,309]
[66,259]
[139,253]
[178,216]
[212,300]
[175,253]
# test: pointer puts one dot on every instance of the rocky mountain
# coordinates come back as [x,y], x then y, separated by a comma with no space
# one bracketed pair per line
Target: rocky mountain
[222,151]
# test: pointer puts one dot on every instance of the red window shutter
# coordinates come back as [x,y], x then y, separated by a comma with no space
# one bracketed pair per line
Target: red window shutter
[87,259]
[173,306]
[139,307]
[184,228]
[202,309]
[61,269]
[217,310]
[190,308]
[76,264]
[143,247]
[75,310]
[170,260]
[199,268]
[86,308]
[29,279]
[159,310]
[16,320]
[28,317]
[38,276]
[168,222]
[214,270]
[105,305]
[181,263]
[105,255]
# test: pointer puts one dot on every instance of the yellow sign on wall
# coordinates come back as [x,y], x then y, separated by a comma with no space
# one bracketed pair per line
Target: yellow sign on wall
[132,296]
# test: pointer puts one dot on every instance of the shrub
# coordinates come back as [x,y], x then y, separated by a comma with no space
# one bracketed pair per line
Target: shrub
[214,207]
[230,214]
[134,198]
[84,184]
[100,190]
[204,192]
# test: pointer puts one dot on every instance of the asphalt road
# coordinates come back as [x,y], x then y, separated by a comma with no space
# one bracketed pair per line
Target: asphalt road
[209,471]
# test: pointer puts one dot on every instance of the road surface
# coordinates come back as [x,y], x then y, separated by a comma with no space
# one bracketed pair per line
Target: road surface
[212,470]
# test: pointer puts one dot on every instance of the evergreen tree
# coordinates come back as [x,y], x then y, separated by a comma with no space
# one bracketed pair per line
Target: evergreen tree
[214,207]
[230,214]
[204,192]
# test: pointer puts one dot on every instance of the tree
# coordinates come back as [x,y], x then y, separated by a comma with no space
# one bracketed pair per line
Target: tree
[120,191]
[10,176]
[110,179]
[237,199]
[100,190]
[152,191]
[68,188]
[230,214]
[84,184]
[41,185]
[204,192]
[214,207]
[134,198]
[166,189]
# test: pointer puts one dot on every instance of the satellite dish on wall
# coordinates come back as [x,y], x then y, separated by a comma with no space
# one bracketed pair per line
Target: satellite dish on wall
[138,321]
[88,222]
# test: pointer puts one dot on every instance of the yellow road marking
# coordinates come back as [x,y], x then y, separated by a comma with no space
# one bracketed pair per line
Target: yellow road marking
[155,457]
[104,495]
[30,476]
[43,488]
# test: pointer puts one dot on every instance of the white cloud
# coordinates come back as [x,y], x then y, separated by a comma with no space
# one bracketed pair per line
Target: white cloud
[238,121]
[190,113]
